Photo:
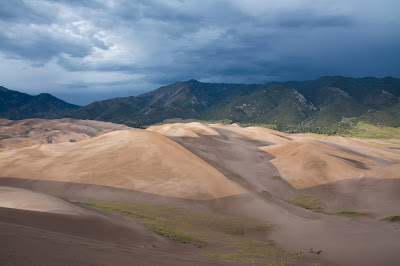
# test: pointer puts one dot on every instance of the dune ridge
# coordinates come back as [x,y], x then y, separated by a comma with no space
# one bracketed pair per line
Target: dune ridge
[25,133]
[131,159]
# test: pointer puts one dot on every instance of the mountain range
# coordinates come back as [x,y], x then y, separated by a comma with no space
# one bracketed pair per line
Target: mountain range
[321,102]
[16,105]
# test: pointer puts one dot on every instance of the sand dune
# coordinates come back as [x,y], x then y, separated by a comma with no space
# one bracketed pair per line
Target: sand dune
[301,161]
[343,173]
[22,199]
[359,146]
[274,167]
[24,133]
[184,130]
[306,163]
[343,176]
[256,133]
[130,159]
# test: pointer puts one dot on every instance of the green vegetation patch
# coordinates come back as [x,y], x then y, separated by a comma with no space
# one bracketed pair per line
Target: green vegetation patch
[364,130]
[392,219]
[350,213]
[305,201]
[223,237]
[349,128]
[266,193]
[253,251]
[344,213]
[377,144]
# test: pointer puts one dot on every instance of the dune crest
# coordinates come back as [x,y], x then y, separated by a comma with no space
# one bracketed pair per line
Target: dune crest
[184,130]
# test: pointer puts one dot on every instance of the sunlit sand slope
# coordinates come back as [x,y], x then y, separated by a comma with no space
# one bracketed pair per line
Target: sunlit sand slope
[24,133]
[130,159]
[17,198]
[184,130]
[305,163]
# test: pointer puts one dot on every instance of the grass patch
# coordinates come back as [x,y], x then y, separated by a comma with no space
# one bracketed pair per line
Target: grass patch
[276,177]
[350,213]
[222,237]
[236,231]
[377,144]
[388,143]
[368,131]
[266,193]
[350,128]
[391,219]
[256,252]
[263,227]
[344,213]
[161,220]
[305,201]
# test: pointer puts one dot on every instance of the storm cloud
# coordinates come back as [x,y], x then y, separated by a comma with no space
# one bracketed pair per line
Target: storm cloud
[83,51]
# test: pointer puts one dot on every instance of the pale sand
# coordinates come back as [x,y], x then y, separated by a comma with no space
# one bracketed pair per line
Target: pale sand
[22,199]
[130,159]
[184,130]
[25,133]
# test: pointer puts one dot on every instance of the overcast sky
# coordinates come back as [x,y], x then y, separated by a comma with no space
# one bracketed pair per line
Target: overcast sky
[83,50]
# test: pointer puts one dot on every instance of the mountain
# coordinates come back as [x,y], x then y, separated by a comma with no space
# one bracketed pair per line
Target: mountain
[386,117]
[318,103]
[16,105]
[321,102]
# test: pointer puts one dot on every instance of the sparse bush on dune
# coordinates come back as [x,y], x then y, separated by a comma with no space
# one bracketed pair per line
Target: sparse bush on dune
[350,213]
[392,219]
[305,201]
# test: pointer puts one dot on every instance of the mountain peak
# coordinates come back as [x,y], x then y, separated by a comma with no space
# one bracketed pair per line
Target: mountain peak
[313,102]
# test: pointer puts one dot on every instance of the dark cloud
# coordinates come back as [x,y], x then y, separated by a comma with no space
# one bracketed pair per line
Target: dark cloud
[120,48]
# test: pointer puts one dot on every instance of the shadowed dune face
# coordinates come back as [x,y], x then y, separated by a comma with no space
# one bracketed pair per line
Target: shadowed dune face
[379,196]
[131,159]
[25,133]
